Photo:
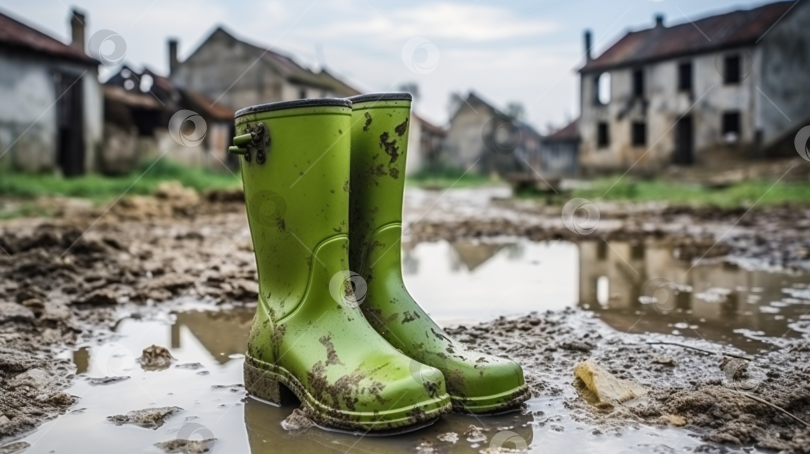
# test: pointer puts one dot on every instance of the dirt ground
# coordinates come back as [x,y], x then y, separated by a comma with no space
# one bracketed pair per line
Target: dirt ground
[63,277]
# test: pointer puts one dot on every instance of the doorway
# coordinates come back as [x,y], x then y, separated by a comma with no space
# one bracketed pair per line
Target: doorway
[684,142]
[69,125]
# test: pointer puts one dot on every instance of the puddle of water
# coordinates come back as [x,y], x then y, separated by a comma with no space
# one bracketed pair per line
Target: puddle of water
[467,282]
[457,283]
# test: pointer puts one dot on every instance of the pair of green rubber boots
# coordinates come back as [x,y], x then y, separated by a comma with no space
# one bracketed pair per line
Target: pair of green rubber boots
[324,181]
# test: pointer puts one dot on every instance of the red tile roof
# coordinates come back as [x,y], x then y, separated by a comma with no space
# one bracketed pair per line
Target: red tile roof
[15,34]
[737,28]
[569,132]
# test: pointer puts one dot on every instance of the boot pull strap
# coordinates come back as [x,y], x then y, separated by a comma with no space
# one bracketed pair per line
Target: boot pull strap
[257,139]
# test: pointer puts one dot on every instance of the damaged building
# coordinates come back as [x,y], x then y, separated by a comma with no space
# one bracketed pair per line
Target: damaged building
[725,87]
[51,115]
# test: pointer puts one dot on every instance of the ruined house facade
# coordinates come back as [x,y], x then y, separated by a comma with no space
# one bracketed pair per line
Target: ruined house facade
[51,114]
[483,139]
[730,86]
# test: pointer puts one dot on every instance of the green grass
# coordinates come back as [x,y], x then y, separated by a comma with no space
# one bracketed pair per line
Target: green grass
[99,187]
[743,194]
[446,178]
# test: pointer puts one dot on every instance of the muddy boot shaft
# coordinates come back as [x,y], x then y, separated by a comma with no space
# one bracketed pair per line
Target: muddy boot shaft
[477,383]
[308,333]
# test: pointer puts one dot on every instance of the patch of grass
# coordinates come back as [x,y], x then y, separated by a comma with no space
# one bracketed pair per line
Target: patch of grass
[447,177]
[99,187]
[744,194]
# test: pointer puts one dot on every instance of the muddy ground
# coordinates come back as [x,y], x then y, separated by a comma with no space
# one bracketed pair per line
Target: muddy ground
[64,278]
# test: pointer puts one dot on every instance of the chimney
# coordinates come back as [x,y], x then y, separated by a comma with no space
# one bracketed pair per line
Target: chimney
[77,29]
[173,56]
[659,21]
[588,37]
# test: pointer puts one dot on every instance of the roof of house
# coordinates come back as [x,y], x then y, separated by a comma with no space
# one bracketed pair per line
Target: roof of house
[568,132]
[722,31]
[428,126]
[290,69]
[15,34]
[474,98]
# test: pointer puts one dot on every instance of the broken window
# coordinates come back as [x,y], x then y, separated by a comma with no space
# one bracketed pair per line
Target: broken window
[639,133]
[685,77]
[731,126]
[638,83]
[732,69]
[602,137]
[602,89]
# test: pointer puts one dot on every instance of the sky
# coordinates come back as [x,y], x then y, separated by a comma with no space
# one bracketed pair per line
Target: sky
[525,51]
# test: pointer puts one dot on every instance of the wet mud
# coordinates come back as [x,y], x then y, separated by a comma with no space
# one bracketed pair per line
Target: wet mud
[73,278]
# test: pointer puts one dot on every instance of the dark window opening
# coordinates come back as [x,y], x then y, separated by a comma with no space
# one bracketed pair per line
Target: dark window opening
[638,83]
[731,127]
[602,137]
[639,133]
[732,70]
[601,251]
[302,93]
[685,76]
[637,252]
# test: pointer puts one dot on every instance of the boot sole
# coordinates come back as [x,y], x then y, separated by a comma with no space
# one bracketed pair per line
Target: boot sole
[263,380]
[491,404]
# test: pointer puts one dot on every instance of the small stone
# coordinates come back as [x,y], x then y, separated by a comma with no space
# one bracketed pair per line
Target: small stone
[297,421]
[33,378]
[605,387]
[663,359]
[187,446]
[155,357]
[150,418]
[474,434]
[4,420]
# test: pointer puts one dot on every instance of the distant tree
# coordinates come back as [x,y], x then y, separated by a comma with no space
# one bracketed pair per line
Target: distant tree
[515,111]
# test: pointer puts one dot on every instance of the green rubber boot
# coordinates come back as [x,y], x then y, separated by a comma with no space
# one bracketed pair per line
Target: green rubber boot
[308,333]
[477,383]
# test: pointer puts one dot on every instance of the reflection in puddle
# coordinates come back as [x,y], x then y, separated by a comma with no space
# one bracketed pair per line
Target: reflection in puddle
[459,282]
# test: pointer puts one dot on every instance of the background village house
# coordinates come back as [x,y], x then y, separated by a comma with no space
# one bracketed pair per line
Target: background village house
[725,87]
[51,115]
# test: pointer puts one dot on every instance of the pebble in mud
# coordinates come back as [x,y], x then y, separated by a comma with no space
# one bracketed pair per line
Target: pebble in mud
[187,446]
[155,357]
[297,421]
[149,418]
[475,434]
